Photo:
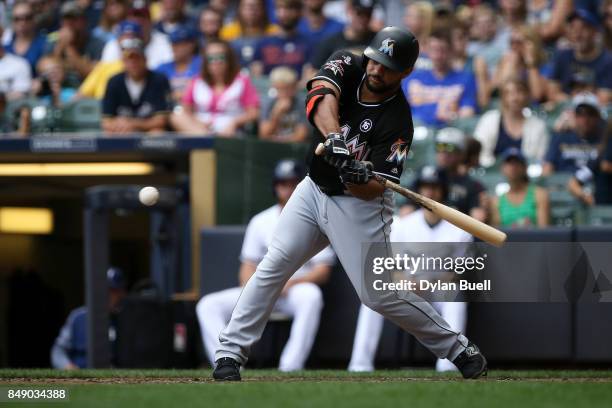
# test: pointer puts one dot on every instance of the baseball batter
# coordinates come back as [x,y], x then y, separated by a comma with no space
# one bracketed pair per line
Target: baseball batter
[356,104]
[419,226]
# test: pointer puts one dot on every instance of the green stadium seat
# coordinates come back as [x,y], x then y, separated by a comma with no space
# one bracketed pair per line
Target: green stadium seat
[599,215]
[81,115]
[467,125]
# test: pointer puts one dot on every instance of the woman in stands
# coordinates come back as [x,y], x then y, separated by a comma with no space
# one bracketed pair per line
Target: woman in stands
[222,100]
[113,13]
[513,125]
[524,204]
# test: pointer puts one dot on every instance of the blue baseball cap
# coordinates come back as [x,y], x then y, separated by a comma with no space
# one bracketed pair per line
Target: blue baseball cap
[183,33]
[115,278]
[586,16]
[129,27]
[513,153]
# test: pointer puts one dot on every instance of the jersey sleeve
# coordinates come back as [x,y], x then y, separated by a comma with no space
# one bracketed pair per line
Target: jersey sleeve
[161,103]
[468,98]
[337,70]
[391,149]
[109,102]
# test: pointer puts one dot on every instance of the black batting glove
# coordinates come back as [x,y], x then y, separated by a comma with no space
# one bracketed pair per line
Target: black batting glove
[356,172]
[336,153]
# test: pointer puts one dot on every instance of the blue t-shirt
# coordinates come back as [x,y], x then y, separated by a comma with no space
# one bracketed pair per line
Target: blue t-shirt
[245,49]
[33,54]
[155,97]
[427,93]
[597,72]
[180,80]
[328,28]
[274,51]
[567,151]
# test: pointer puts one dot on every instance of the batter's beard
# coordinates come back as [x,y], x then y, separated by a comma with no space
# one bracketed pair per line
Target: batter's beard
[377,89]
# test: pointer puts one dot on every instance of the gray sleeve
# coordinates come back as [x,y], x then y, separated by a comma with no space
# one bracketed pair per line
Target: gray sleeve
[59,351]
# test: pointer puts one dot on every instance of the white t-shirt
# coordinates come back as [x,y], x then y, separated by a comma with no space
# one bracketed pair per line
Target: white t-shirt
[259,235]
[14,74]
[158,51]
[414,228]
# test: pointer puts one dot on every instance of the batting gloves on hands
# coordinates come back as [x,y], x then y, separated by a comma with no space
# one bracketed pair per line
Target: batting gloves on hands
[336,153]
[356,172]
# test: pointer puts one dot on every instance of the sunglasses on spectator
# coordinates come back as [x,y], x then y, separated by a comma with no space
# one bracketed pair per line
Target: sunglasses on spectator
[24,17]
[216,58]
[446,148]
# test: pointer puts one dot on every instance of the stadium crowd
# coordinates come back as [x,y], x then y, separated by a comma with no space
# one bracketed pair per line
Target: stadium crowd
[519,89]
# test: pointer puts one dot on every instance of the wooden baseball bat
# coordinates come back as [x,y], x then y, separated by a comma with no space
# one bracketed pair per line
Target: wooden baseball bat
[471,225]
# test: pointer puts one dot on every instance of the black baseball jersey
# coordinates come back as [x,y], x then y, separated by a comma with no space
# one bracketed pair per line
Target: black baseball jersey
[380,133]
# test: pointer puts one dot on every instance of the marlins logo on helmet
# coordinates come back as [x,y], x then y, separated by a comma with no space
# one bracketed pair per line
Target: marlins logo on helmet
[387,47]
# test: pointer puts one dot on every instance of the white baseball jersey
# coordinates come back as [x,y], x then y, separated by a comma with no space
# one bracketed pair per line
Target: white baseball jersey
[414,228]
[258,237]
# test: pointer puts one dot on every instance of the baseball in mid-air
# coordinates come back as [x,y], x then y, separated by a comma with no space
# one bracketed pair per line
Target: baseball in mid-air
[148,195]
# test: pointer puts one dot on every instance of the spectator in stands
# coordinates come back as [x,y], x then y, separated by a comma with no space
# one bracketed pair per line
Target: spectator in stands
[285,48]
[570,150]
[586,59]
[548,17]
[442,94]
[50,85]
[222,100]
[355,37]
[15,77]
[595,175]
[24,40]
[94,85]
[314,25]
[513,125]
[513,15]
[524,204]
[418,18]
[210,24]
[251,21]
[283,118]
[114,12]
[174,15]
[607,15]
[489,42]
[250,27]
[301,297]
[464,62]
[524,59]
[46,15]
[136,100]
[465,194]
[186,64]
[69,351]
[157,46]
[73,45]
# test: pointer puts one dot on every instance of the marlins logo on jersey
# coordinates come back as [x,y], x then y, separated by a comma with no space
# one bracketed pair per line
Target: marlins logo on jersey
[399,151]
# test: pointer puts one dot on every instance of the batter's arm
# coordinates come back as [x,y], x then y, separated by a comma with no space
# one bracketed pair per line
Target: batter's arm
[367,192]
[326,116]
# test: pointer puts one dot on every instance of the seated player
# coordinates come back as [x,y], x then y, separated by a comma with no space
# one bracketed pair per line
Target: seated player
[283,118]
[136,100]
[419,226]
[69,351]
[301,296]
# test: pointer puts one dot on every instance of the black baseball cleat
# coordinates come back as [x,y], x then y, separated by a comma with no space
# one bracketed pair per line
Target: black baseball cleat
[227,369]
[471,362]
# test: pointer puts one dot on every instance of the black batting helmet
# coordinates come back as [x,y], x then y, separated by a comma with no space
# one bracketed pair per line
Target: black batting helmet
[393,47]
[288,169]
